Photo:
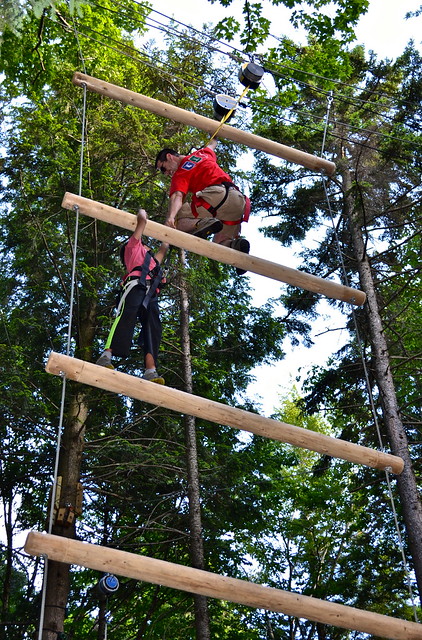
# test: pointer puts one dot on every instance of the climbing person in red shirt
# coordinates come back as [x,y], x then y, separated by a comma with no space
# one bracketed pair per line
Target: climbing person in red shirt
[217,207]
[138,302]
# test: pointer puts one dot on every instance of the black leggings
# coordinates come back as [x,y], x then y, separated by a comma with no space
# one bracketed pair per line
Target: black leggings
[121,333]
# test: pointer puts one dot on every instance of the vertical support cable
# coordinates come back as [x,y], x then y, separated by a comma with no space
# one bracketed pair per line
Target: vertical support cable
[366,375]
[327,114]
[69,340]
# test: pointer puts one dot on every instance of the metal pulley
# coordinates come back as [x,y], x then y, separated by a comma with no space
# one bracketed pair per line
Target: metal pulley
[250,74]
[107,585]
[223,104]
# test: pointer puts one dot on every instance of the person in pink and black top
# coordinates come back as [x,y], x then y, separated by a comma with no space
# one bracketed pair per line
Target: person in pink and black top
[217,207]
[138,302]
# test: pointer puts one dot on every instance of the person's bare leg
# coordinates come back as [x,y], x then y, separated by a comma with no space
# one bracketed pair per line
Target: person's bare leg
[149,361]
[222,238]
[227,234]
[150,372]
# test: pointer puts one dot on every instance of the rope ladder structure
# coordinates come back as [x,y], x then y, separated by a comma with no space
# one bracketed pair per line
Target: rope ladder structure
[105,559]
[215,251]
[213,585]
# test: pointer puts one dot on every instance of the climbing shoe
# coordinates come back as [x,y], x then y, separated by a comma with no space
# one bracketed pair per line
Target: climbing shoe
[105,361]
[152,376]
[240,244]
[206,227]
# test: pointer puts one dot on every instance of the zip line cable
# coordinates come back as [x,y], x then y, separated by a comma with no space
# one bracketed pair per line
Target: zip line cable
[174,32]
[256,101]
[261,56]
[332,80]
[191,28]
[367,381]
[138,59]
[349,100]
[339,97]
[166,28]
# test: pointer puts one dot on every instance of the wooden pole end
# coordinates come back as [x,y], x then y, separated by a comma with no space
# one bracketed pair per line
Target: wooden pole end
[31,547]
[78,78]
[358,298]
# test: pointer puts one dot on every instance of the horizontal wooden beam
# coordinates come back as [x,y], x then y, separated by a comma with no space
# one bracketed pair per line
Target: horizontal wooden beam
[215,251]
[212,585]
[118,382]
[205,124]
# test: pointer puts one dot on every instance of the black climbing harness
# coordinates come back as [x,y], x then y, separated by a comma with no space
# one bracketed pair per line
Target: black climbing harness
[151,284]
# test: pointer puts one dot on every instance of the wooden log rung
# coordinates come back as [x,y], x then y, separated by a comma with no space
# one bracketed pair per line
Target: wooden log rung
[215,251]
[212,585]
[205,124]
[189,404]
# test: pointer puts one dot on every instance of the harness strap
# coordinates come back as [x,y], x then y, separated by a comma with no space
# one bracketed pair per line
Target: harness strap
[247,210]
[145,269]
[151,286]
[127,287]
[200,202]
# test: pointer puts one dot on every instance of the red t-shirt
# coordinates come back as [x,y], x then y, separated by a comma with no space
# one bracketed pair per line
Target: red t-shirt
[197,171]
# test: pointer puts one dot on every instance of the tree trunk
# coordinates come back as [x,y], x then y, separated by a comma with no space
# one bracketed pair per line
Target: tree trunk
[406,481]
[58,574]
[7,576]
[69,470]
[102,619]
[202,623]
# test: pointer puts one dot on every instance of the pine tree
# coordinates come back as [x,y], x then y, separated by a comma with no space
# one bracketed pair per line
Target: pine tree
[129,458]
[375,198]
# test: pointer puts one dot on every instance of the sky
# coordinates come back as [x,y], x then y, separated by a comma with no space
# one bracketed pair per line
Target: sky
[383,30]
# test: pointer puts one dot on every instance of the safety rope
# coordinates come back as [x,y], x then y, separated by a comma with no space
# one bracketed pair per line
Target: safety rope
[229,113]
[81,57]
[68,346]
[366,375]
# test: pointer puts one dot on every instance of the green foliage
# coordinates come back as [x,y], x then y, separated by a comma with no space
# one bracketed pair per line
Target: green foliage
[15,15]
[323,20]
[285,517]
[372,135]
[133,467]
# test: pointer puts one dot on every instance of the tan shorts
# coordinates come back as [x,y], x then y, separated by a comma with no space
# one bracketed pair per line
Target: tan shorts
[232,209]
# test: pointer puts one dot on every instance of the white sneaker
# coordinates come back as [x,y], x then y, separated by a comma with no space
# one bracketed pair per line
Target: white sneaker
[105,360]
[152,376]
